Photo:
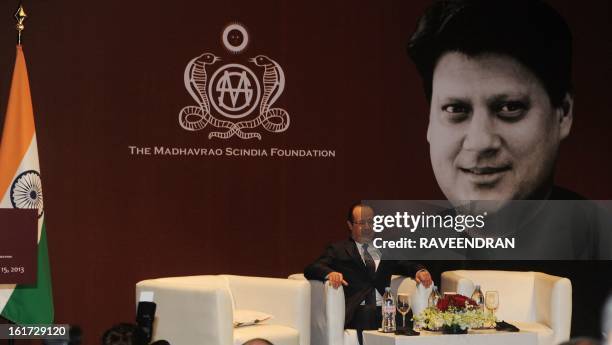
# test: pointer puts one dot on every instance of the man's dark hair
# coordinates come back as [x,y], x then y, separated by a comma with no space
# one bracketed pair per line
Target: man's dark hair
[529,31]
[349,215]
[254,341]
[124,334]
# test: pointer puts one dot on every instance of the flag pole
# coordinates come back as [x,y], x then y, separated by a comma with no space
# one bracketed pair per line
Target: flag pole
[24,304]
[20,16]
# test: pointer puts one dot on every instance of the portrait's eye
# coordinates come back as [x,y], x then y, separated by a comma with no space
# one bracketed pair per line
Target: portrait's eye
[456,112]
[511,110]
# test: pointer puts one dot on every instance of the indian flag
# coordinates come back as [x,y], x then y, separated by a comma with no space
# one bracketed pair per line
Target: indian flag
[20,187]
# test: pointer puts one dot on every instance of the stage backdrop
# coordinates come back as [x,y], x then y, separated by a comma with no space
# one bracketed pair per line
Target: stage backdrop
[339,113]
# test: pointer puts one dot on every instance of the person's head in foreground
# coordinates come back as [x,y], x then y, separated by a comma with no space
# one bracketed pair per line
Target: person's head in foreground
[258,341]
[606,321]
[497,75]
[360,222]
[124,334]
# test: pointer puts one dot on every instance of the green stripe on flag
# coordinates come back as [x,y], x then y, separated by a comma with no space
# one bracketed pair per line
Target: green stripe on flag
[33,304]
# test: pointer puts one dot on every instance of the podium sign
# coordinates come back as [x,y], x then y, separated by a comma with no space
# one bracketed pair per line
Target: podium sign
[18,246]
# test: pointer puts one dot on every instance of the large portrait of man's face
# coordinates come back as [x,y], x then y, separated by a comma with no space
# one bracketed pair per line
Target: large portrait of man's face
[493,132]
[497,75]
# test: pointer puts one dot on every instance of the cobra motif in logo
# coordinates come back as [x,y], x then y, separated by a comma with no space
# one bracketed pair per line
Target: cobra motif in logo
[234,92]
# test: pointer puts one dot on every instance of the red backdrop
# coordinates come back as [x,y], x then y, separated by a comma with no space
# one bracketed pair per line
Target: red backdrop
[108,74]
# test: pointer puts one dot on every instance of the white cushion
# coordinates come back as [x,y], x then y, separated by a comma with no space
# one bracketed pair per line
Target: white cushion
[244,317]
[276,334]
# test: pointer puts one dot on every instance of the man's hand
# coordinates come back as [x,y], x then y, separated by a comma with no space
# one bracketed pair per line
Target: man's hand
[335,279]
[423,277]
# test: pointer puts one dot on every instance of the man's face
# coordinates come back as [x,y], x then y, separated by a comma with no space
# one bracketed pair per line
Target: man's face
[361,227]
[493,133]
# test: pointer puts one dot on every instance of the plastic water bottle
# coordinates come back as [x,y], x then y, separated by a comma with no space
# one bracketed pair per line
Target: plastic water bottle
[434,297]
[478,297]
[388,312]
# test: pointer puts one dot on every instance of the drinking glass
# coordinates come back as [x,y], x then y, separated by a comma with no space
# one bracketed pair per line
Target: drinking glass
[403,306]
[492,301]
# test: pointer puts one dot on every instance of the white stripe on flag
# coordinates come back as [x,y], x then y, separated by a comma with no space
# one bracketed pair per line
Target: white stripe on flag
[29,162]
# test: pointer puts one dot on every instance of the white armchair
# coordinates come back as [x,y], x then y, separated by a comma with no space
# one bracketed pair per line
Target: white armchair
[198,310]
[327,310]
[533,301]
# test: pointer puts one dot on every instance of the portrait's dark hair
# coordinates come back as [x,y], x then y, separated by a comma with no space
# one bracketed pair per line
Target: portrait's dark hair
[529,31]
[349,215]
[124,334]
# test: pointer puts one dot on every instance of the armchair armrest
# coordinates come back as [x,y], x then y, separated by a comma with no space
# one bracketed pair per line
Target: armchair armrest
[327,312]
[402,284]
[201,305]
[553,299]
[452,282]
[335,313]
[288,301]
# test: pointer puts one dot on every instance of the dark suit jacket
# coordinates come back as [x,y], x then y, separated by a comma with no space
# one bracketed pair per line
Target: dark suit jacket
[344,257]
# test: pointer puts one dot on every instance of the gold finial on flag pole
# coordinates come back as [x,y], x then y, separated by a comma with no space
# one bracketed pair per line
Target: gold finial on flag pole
[20,15]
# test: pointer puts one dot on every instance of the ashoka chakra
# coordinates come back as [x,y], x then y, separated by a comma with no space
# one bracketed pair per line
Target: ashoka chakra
[26,191]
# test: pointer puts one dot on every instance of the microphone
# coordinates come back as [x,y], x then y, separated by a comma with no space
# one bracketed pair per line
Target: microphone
[145,315]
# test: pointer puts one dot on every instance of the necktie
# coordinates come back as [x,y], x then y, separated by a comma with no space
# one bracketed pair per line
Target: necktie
[371,268]
[369,262]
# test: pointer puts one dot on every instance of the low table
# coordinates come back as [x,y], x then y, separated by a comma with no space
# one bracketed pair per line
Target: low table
[474,337]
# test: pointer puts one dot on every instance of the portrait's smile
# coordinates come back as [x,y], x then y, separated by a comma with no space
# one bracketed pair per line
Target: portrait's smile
[485,176]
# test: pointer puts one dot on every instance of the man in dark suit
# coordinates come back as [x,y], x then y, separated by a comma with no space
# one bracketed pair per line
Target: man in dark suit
[356,264]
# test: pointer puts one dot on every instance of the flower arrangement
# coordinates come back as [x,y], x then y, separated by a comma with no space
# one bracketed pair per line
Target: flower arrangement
[454,314]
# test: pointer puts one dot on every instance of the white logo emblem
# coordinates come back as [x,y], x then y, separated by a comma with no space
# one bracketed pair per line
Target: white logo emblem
[235,92]
[236,89]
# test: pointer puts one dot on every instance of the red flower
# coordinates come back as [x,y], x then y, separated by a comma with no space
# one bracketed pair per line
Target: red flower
[458,302]
[443,304]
